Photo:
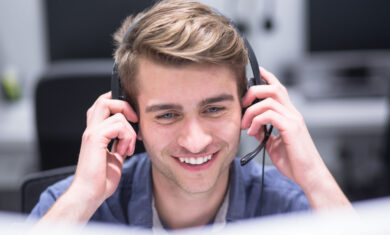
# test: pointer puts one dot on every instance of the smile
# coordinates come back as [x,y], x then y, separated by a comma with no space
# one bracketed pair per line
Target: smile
[196,161]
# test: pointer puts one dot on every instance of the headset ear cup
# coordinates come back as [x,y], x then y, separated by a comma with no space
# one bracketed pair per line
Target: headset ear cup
[251,82]
[135,127]
[243,111]
[115,82]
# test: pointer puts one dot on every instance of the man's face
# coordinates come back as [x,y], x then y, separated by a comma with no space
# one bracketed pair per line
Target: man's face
[190,123]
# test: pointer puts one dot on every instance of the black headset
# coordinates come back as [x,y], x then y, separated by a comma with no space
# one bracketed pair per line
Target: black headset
[118,93]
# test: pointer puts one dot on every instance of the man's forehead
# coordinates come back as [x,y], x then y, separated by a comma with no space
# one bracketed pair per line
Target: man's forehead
[193,84]
[147,66]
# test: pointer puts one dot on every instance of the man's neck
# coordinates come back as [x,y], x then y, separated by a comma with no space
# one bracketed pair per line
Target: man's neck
[180,209]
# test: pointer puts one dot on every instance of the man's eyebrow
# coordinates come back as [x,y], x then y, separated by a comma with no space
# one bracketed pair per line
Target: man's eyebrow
[216,99]
[160,107]
[168,106]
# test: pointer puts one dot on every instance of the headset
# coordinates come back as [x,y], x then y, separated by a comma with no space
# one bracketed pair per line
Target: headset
[118,93]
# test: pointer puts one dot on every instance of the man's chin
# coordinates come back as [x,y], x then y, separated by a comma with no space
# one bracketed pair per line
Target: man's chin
[195,189]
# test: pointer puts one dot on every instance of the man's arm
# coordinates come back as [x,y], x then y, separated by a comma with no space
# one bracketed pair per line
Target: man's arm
[292,151]
[98,170]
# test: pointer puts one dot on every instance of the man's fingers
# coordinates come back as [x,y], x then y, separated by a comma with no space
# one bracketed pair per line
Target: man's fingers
[269,77]
[123,131]
[268,117]
[114,127]
[114,146]
[106,95]
[131,148]
[261,107]
[273,89]
[103,108]
[115,161]
[278,93]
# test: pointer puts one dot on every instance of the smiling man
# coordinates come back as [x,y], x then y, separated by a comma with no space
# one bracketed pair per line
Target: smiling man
[182,68]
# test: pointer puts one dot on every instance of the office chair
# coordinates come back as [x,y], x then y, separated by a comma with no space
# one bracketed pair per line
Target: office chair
[62,97]
[34,184]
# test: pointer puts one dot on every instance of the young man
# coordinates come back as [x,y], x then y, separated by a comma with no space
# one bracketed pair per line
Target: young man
[182,68]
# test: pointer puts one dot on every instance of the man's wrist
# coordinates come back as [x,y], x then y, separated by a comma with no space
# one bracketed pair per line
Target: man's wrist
[323,192]
[83,195]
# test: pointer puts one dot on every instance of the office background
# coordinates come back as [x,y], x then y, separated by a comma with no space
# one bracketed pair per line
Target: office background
[334,62]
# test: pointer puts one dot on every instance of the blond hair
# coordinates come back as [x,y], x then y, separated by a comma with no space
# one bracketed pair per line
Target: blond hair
[178,32]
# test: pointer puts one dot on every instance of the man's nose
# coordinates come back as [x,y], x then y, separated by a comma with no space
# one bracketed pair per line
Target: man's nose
[194,137]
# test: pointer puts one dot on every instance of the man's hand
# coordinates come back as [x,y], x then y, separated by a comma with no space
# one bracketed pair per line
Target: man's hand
[98,169]
[292,151]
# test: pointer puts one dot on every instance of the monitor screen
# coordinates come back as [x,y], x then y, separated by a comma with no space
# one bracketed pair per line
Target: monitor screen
[345,25]
[82,29]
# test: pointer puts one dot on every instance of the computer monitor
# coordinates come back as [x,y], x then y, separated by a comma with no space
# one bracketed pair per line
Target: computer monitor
[347,48]
[344,25]
[83,29]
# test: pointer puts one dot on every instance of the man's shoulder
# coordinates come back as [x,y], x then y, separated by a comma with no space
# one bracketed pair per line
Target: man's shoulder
[137,167]
[280,193]
[49,196]
[252,173]
[58,188]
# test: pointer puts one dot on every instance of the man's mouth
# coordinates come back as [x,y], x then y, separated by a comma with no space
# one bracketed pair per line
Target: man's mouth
[196,161]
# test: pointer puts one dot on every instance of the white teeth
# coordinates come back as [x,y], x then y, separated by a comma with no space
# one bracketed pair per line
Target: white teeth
[197,161]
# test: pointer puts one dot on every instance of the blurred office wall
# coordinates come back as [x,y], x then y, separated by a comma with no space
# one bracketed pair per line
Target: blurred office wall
[22,38]
[23,32]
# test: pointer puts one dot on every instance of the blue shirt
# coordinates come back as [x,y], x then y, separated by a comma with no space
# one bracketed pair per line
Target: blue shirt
[131,204]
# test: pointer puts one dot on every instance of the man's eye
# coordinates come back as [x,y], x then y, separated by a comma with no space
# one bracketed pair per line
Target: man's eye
[213,110]
[166,116]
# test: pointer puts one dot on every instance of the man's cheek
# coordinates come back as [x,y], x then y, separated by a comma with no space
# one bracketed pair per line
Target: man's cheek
[228,130]
[159,137]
